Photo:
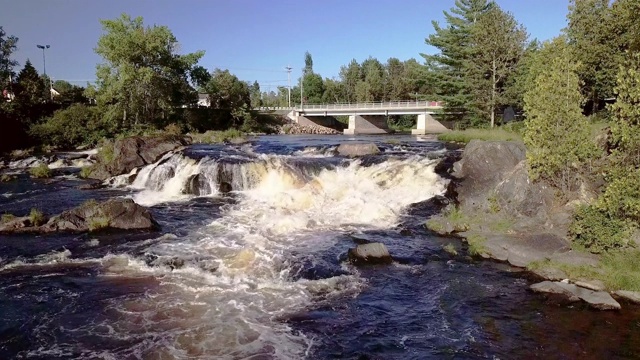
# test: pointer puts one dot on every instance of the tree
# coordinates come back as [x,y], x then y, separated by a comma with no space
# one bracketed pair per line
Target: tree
[447,68]
[255,95]
[350,75]
[312,83]
[142,80]
[556,134]
[594,48]
[499,43]
[69,94]
[229,96]
[8,45]
[30,88]
[626,27]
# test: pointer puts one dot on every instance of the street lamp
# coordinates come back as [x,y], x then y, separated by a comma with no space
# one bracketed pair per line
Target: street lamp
[288,68]
[44,63]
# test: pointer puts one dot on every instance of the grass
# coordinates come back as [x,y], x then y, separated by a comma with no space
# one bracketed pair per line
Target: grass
[85,172]
[36,217]
[476,244]
[98,223]
[465,136]
[451,249]
[41,171]
[618,270]
[216,137]
[6,218]
[7,178]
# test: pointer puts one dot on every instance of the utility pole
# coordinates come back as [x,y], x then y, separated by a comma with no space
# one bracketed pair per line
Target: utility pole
[44,63]
[288,68]
[301,88]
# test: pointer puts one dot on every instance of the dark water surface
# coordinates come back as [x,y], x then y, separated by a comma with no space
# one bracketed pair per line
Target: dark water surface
[260,272]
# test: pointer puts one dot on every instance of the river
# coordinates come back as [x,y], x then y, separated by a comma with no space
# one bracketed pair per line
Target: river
[261,273]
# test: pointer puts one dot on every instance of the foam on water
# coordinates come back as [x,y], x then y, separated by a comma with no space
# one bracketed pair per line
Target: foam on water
[238,280]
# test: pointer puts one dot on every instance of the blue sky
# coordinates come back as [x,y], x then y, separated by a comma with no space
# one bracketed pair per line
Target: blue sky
[254,39]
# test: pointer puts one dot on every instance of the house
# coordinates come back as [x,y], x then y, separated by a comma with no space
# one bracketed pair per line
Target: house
[203,100]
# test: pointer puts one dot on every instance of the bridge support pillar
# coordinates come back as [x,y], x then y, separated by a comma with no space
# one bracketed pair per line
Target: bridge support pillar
[426,124]
[367,124]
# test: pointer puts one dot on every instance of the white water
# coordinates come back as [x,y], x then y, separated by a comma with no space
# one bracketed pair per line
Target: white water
[284,214]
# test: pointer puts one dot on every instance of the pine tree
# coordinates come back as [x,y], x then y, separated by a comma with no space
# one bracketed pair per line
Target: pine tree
[30,88]
[454,42]
[499,43]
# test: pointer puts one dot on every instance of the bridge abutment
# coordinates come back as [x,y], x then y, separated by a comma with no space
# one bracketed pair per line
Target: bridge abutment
[367,124]
[426,124]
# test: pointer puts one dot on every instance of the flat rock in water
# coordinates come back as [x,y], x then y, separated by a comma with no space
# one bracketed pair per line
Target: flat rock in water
[597,299]
[633,296]
[371,253]
[358,149]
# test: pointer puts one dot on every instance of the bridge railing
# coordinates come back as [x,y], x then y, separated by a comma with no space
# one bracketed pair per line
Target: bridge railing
[372,105]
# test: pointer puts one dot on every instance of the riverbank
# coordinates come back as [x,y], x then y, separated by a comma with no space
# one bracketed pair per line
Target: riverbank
[505,216]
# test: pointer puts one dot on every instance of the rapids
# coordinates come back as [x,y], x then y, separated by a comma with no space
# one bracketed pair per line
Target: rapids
[251,265]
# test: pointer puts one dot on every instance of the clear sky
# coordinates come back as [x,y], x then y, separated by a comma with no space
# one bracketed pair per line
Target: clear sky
[254,39]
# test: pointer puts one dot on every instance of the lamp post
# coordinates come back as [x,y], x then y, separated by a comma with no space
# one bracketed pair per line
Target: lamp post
[288,68]
[302,88]
[44,63]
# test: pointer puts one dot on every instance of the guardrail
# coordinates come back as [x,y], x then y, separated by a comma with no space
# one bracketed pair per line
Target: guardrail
[372,105]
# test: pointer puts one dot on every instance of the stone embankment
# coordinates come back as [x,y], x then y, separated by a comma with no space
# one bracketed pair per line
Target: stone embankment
[505,216]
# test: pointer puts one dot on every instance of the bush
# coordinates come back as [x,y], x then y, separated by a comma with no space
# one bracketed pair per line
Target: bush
[215,137]
[6,218]
[98,223]
[85,172]
[597,232]
[36,217]
[76,125]
[40,172]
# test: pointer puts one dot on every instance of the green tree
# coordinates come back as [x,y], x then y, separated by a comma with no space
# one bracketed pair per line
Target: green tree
[142,80]
[594,48]
[8,45]
[350,75]
[255,95]
[523,77]
[454,42]
[312,83]
[625,25]
[30,90]
[76,125]
[499,43]
[69,94]
[229,96]
[556,134]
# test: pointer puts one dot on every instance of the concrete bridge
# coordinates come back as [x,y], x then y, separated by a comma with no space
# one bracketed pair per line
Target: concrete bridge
[370,117]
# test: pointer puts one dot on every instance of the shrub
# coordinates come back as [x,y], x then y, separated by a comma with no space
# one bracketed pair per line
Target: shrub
[215,137]
[476,245]
[40,172]
[98,223]
[6,218]
[451,249]
[596,231]
[36,217]
[85,172]
[7,178]
[465,136]
[67,128]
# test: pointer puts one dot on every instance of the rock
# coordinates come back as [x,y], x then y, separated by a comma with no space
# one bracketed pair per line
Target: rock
[15,224]
[90,186]
[595,285]
[550,273]
[600,300]
[225,187]
[114,214]
[295,129]
[632,296]
[371,253]
[238,140]
[357,149]
[133,152]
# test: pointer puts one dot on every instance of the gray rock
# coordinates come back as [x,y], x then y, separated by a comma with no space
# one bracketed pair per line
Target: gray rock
[357,149]
[371,253]
[595,285]
[114,214]
[15,224]
[632,296]
[133,152]
[550,273]
[600,300]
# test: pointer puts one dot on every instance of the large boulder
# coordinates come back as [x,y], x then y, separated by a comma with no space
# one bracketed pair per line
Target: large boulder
[357,149]
[370,253]
[111,215]
[494,174]
[136,151]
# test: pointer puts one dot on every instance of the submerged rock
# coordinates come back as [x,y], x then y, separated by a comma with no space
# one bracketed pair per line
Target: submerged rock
[370,253]
[632,296]
[600,300]
[357,149]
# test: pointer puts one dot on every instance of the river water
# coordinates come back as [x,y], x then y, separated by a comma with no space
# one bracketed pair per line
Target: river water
[261,273]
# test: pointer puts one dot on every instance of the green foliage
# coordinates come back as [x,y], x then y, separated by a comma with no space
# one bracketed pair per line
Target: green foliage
[553,109]
[76,125]
[596,231]
[41,171]
[7,178]
[450,249]
[216,137]
[476,245]
[36,217]
[97,223]
[106,151]
[8,45]
[142,79]
[6,217]
[498,44]
[465,136]
[494,206]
